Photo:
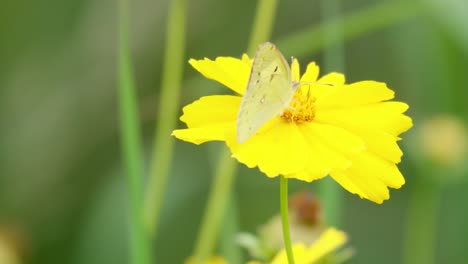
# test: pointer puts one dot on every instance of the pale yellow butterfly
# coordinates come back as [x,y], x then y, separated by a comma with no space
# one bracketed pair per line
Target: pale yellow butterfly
[269,91]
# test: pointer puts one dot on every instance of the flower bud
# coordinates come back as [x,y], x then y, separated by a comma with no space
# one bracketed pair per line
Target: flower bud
[444,140]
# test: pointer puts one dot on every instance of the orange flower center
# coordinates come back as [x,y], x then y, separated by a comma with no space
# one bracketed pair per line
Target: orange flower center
[302,107]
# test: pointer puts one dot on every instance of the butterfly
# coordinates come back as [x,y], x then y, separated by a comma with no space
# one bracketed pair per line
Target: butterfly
[269,91]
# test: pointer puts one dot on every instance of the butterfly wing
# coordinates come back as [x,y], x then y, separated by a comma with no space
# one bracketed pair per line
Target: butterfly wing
[269,91]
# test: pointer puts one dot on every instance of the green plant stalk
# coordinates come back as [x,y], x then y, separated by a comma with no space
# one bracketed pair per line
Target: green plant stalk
[332,202]
[227,166]
[334,51]
[167,114]
[220,191]
[130,141]
[333,55]
[229,249]
[285,218]
[263,24]
[421,223]
[354,25]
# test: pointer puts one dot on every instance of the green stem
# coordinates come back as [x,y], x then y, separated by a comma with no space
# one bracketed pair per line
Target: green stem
[227,166]
[334,52]
[220,192]
[354,25]
[263,24]
[130,141]
[167,114]
[333,61]
[331,196]
[229,249]
[285,218]
[421,223]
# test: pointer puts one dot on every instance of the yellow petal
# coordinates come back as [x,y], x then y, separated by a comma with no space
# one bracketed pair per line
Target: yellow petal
[334,78]
[386,116]
[299,252]
[201,135]
[211,110]
[369,189]
[231,72]
[330,240]
[369,177]
[385,170]
[325,85]
[209,118]
[337,138]
[377,124]
[311,74]
[280,149]
[359,93]
[328,148]
[380,143]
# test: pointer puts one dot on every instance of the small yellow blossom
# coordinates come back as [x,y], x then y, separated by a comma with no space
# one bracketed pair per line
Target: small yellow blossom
[347,131]
[212,260]
[305,226]
[330,240]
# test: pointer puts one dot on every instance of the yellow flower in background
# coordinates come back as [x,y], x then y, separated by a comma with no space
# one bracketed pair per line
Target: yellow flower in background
[347,131]
[212,260]
[329,241]
[444,139]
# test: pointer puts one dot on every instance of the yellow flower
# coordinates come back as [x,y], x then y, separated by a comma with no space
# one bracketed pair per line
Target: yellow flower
[212,260]
[347,131]
[330,240]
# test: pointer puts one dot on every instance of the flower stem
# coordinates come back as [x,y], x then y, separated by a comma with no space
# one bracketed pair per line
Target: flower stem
[263,24]
[333,61]
[227,166]
[130,141]
[231,252]
[167,114]
[285,218]
[421,223]
[334,51]
[356,24]
[217,201]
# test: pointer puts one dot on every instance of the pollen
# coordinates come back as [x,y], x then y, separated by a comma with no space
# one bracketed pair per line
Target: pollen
[301,108]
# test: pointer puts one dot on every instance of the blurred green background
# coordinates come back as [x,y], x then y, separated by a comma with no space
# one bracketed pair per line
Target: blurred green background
[62,193]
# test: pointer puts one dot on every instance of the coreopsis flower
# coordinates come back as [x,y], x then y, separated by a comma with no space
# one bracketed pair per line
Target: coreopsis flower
[346,131]
[329,241]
